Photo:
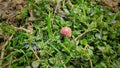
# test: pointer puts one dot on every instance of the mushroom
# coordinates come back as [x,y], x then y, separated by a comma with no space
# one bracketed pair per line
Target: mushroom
[66,31]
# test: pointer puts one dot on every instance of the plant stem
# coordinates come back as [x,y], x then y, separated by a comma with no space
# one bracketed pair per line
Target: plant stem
[2,53]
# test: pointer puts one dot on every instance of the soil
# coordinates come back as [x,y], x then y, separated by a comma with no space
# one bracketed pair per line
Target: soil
[8,8]
[112,4]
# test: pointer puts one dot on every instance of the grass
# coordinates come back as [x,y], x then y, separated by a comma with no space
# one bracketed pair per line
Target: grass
[37,42]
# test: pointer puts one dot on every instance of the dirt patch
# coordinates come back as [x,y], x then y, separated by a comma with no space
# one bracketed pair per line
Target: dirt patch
[8,8]
[112,4]
[8,11]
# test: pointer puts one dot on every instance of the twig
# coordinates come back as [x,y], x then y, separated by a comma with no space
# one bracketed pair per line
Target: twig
[86,46]
[82,34]
[31,18]
[64,64]
[21,28]
[63,3]
[35,54]
[10,62]
[69,2]
[57,7]
[2,53]
[91,65]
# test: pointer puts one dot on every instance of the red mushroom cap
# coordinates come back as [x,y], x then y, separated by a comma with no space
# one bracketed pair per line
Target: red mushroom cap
[66,31]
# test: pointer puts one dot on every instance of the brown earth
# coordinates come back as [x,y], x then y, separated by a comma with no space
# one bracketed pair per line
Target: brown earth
[112,4]
[8,11]
[8,8]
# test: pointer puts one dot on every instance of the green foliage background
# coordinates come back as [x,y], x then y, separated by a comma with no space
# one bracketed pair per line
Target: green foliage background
[94,42]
